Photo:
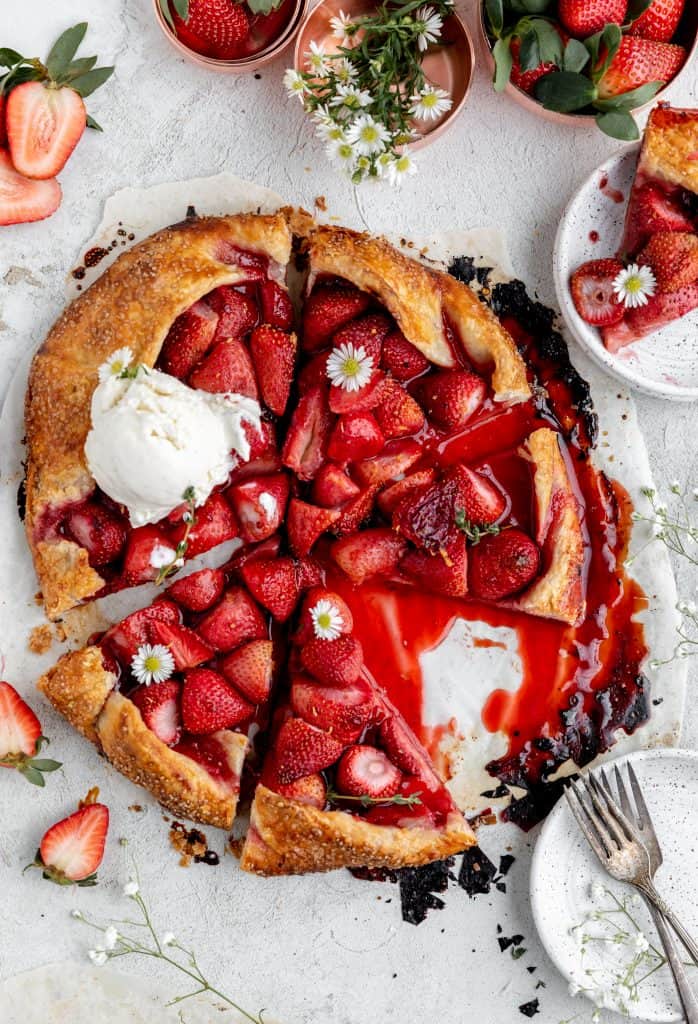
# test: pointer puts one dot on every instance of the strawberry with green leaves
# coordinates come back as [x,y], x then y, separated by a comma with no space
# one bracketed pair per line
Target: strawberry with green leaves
[72,849]
[216,28]
[21,739]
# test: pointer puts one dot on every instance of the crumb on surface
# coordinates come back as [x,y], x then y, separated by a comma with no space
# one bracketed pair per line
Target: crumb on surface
[41,638]
[321,203]
[135,807]
[191,844]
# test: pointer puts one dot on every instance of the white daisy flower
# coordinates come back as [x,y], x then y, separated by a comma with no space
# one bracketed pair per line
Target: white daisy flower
[368,135]
[345,71]
[111,937]
[428,24]
[116,363]
[341,25]
[153,663]
[294,83]
[168,939]
[349,367]
[98,957]
[131,888]
[634,286]
[350,97]
[430,103]
[342,152]
[400,168]
[330,131]
[327,620]
[316,59]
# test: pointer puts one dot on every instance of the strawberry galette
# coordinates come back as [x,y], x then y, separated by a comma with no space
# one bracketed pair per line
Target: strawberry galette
[397,443]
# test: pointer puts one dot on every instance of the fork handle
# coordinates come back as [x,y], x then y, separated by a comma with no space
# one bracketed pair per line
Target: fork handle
[648,890]
[687,997]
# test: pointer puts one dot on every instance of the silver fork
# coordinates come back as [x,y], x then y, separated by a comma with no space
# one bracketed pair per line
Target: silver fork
[618,845]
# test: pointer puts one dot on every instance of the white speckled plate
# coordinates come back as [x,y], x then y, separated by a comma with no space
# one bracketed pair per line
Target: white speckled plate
[564,868]
[664,364]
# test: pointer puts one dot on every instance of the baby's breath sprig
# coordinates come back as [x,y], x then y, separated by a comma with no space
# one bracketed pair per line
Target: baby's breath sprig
[366,96]
[189,519]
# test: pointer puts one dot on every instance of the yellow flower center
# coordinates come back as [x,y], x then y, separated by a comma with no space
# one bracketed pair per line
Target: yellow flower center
[324,620]
[350,367]
[369,133]
[633,285]
[429,100]
[151,663]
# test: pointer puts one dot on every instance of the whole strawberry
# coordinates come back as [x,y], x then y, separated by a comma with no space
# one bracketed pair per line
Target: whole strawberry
[592,291]
[503,564]
[526,80]
[215,28]
[639,62]
[583,18]
[659,21]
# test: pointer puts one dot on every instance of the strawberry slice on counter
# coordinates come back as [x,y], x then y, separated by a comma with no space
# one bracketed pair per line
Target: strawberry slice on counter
[21,738]
[332,486]
[333,662]
[186,647]
[214,523]
[228,367]
[308,433]
[210,704]
[401,359]
[450,397]
[398,414]
[374,552]
[673,259]
[278,583]
[274,356]
[502,564]
[158,704]
[355,436]
[342,711]
[365,332]
[250,669]
[366,771]
[199,590]
[302,749]
[23,200]
[188,340]
[306,523]
[44,125]
[259,504]
[592,292]
[277,308]
[639,62]
[659,21]
[72,849]
[234,620]
[99,530]
[215,28]
[329,307]
[443,572]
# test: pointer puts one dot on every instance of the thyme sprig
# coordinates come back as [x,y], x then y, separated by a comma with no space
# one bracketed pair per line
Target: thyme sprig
[475,531]
[412,800]
[189,519]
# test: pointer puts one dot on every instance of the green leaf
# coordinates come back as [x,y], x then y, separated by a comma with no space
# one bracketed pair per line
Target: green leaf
[495,16]
[64,49]
[530,6]
[263,6]
[91,123]
[8,57]
[32,775]
[20,74]
[607,42]
[86,84]
[636,8]
[529,52]
[78,67]
[619,125]
[167,13]
[549,41]
[502,63]
[630,100]
[46,764]
[576,56]
[182,8]
[565,91]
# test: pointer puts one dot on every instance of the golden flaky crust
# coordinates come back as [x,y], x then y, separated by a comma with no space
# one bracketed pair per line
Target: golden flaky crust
[670,148]
[78,686]
[287,837]
[177,782]
[559,592]
[133,303]
[419,298]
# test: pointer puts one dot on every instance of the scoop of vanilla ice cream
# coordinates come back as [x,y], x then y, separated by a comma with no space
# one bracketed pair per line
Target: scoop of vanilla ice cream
[152,437]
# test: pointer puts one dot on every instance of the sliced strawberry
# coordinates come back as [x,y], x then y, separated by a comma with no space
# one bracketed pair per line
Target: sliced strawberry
[342,711]
[233,621]
[404,750]
[308,433]
[277,308]
[228,368]
[237,313]
[21,739]
[341,613]
[373,552]
[365,332]
[334,662]
[638,62]
[132,632]
[186,647]
[99,530]
[480,501]
[23,200]
[332,487]
[673,258]
[314,373]
[72,849]
[188,340]
[306,523]
[259,504]
[214,523]
[264,457]
[427,517]
[444,572]
[44,125]
[659,21]
[592,291]
[393,462]
[261,552]
[398,414]
[450,397]
[651,211]
[366,771]
[355,512]
[209,704]
[274,356]
[401,359]
[301,750]
[309,789]
[3,125]
[159,708]
[355,436]
[276,583]
[148,550]
[390,497]
[310,573]
[214,756]
[198,591]
[363,400]
[250,669]
[328,308]
[216,28]
[502,564]
[393,815]
[661,309]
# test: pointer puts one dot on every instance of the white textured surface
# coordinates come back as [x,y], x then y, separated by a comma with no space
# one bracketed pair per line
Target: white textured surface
[164,119]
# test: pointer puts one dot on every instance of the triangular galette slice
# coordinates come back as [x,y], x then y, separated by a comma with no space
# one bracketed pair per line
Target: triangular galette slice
[346,783]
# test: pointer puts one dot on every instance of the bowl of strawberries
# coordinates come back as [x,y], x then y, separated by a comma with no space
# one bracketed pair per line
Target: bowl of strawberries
[589,61]
[230,36]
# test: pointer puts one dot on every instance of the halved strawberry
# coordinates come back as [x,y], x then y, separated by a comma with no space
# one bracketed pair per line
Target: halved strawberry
[213,756]
[214,523]
[366,771]
[72,849]
[277,308]
[314,373]
[276,583]
[662,309]
[159,708]
[414,815]
[401,359]
[237,313]
[363,400]
[198,591]
[21,738]
[450,397]
[216,28]
[393,462]
[332,486]
[44,125]
[23,200]
[355,436]
[502,564]
[186,647]
[302,750]
[148,549]
[365,332]
[306,523]
[405,751]
[309,789]
[374,552]
[307,435]
[227,368]
[443,572]
[390,497]
[3,126]
[306,626]
[427,517]
[259,504]
[328,308]
[355,512]
[188,340]
[650,211]
[266,549]
[638,62]
[209,704]
[264,455]
[673,258]
[99,530]
[342,711]
[127,636]
[333,662]
[274,356]
[398,414]
[234,620]
[250,669]
[478,499]
[592,291]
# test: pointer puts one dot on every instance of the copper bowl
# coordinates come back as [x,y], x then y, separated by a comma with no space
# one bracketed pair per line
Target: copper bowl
[686,35]
[450,66]
[244,64]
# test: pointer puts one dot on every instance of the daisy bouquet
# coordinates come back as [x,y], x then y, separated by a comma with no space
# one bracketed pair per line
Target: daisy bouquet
[368,96]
